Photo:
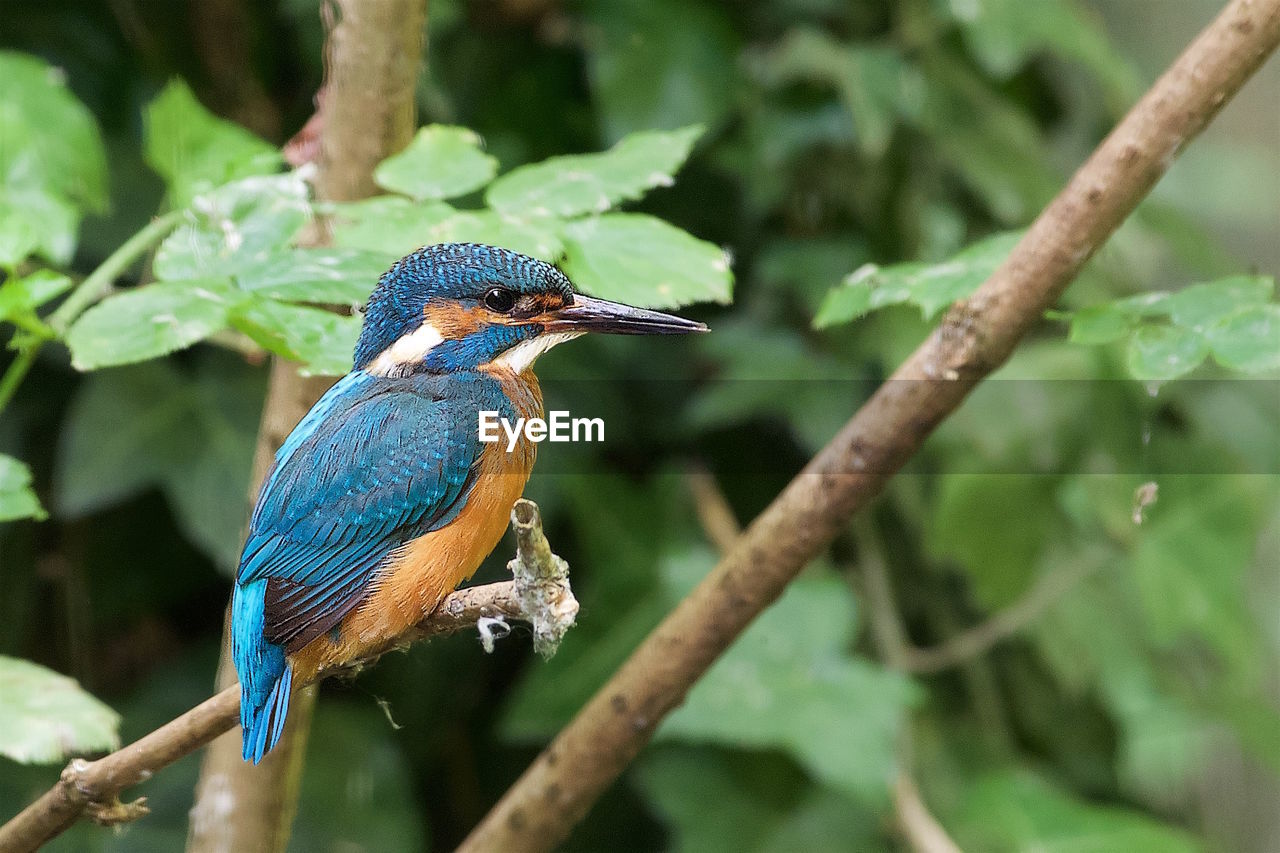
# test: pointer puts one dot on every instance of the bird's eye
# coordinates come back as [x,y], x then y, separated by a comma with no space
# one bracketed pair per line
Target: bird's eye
[500,299]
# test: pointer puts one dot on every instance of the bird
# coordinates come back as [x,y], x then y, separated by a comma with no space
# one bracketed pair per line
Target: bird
[383,498]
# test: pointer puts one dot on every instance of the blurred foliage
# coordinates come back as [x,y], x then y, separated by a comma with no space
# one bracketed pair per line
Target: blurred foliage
[862,165]
[47,716]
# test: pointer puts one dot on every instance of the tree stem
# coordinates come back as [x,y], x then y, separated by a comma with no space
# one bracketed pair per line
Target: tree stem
[99,282]
[93,288]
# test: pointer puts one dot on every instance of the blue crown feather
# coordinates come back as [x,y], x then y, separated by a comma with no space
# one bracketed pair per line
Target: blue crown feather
[460,272]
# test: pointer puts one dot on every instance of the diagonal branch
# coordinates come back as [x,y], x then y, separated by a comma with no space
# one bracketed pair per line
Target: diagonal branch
[976,336]
[539,594]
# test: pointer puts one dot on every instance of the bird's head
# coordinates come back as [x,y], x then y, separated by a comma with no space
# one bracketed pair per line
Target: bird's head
[460,306]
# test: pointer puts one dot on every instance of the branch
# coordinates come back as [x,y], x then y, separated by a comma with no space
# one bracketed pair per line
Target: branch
[712,508]
[95,286]
[977,335]
[922,831]
[539,594]
[918,825]
[976,641]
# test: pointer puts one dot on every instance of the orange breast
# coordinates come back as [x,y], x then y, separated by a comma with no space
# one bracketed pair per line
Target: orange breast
[422,572]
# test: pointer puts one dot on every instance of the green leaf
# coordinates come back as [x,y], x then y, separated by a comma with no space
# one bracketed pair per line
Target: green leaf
[1018,810]
[971,507]
[150,321]
[149,425]
[358,791]
[208,488]
[788,684]
[120,436]
[18,236]
[46,717]
[992,144]
[195,151]
[659,64]
[1202,305]
[1099,324]
[17,499]
[715,801]
[1005,34]
[389,225]
[592,183]
[1233,317]
[322,340]
[235,228]
[37,222]
[1165,352]
[20,297]
[535,238]
[1201,522]
[52,163]
[441,162]
[769,372]
[642,260]
[49,141]
[395,227]
[871,80]
[931,287]
[1249,340]
[326,276]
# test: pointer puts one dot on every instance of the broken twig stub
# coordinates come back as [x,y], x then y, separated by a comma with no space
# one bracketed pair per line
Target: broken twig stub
[542,581]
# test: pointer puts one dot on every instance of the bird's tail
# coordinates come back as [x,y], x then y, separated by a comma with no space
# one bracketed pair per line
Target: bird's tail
[266,676]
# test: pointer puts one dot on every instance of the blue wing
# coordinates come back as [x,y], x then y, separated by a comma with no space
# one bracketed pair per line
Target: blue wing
[376,463]
[385,462]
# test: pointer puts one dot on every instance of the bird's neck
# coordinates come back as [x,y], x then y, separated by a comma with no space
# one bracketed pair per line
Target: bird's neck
[522,388]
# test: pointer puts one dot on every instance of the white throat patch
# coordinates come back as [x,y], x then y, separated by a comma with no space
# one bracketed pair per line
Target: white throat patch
[409,349]
[521,357]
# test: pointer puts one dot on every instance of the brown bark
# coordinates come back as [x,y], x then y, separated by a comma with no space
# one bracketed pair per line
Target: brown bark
[977,335]
[373,54]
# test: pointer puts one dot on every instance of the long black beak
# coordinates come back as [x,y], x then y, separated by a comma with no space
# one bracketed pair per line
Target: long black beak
[588,314]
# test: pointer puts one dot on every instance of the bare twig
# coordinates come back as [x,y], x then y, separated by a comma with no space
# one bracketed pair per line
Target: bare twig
[539,594]
[976,641]
[888,635]
[921,830]
[976,336]
[714,513]
[900,653]
[918,825]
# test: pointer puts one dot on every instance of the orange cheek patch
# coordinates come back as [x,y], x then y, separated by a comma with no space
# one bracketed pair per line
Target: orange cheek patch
[543,304]
[454,321]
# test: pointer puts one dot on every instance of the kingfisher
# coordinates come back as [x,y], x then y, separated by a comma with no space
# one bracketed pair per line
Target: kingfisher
[383,498]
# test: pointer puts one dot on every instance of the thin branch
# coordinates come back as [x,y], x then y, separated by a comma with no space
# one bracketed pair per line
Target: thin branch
[976,337]
[922,831]
[918,825]
[539,594]
[887,632]
[95,286]
[714,513]
[978,640]
[98,283]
